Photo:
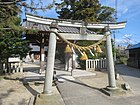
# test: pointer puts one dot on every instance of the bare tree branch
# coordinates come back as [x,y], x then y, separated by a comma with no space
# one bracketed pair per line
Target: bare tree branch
[24,4]
[37,41]
[8,3]
[36,8]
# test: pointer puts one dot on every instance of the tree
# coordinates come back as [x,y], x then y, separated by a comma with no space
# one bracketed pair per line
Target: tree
[86,10]
[11,33]
[32,5]
[11,43]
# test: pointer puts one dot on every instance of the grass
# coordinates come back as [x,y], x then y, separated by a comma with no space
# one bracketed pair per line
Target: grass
[122,60]
[1,76]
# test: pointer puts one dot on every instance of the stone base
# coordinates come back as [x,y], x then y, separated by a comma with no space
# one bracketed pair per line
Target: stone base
[49,99]
[113,91]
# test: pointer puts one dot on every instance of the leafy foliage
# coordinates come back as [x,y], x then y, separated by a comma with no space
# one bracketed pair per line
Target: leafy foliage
[11,34]
[8,16]
[86,10]
[12,44]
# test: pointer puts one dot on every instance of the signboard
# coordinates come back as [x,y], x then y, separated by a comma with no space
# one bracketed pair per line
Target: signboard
[13,59]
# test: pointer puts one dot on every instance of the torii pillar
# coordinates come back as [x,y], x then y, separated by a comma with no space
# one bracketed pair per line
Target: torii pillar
[110,61]
[50,60]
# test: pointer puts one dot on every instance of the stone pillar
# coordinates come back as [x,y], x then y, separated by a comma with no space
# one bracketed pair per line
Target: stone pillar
[50,61]
[70,63]
[110,61]
[42,54]
[21,66]
[66,61]
[73,59]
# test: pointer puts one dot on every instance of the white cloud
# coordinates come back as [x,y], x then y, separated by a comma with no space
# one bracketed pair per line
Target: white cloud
[119,41]
[129,8]
[126,39]
[127,35]
[125,10]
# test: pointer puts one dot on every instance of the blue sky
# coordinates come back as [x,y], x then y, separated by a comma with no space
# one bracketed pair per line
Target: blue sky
[127,10]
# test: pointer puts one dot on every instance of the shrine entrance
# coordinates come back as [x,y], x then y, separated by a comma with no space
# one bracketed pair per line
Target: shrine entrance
[66,30]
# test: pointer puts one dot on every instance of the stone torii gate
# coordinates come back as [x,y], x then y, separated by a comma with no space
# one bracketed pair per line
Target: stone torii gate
[55,23]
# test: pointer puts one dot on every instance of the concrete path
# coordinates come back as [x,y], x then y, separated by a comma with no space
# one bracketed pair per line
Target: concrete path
[76,93]
[131,76]
[86,91]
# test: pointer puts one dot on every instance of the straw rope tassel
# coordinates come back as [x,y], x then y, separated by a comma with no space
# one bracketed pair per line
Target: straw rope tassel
[68,49]
[80,52]
[98,49]
[91,52]
[73,50]
[84,57]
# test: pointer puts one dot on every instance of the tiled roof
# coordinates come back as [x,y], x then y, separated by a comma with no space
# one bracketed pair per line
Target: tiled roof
[135,46]
[61,29]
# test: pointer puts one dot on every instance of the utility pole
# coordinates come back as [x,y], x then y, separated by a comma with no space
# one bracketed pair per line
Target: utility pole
[114,33]
[116,4]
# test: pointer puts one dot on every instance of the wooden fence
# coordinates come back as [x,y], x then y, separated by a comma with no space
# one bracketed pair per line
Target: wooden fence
[13,67]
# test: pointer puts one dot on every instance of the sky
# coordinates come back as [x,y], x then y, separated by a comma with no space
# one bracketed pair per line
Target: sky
[127,10]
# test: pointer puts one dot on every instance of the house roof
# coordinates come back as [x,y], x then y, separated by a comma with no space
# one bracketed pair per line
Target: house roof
[134,46]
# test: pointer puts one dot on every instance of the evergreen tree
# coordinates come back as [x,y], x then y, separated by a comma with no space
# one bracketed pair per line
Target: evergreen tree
[11,33]
[86,10]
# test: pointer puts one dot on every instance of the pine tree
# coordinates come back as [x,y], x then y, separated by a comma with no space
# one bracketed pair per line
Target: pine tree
[86,10]
[11,33]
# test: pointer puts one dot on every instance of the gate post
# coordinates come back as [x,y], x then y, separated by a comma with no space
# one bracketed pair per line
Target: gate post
[42,53]
[110,62]
[50,60]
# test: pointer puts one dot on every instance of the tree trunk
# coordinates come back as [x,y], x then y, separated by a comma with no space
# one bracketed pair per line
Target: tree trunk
[7,66]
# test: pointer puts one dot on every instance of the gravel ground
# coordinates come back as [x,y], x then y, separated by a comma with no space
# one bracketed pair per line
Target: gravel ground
[13,92]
